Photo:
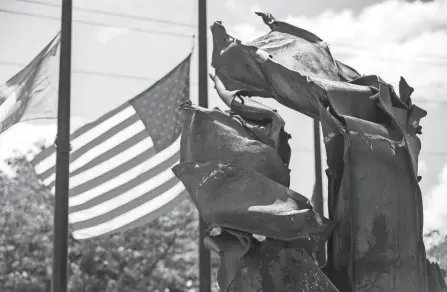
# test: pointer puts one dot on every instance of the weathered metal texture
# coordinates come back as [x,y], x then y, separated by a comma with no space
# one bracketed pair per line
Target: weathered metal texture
[245,204]
[235,168]
[372,148]
[271,267]
[242,199]
[213,135]
[378,245]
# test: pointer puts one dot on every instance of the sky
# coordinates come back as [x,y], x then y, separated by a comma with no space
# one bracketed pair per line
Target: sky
[114,61]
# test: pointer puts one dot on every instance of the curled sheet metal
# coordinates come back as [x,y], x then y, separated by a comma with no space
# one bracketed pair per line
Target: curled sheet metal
[241,199]
[213,135]
[370,134]
[264,122]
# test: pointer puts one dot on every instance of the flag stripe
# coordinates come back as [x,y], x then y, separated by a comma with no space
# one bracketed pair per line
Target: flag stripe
[103,143]
[134,150]
[157,213]
[81,177]
[129,166]
[84,194]
[48,161]
[108,210]
[127,186]
[142,214]
[116,165]
[85,148]
[115,151]
[102,148]
[80,150]
[102,119]
[42,155]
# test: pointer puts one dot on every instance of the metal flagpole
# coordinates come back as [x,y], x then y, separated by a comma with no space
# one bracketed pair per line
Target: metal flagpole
[318,177]
[204,254]
[60,235]
[318,191]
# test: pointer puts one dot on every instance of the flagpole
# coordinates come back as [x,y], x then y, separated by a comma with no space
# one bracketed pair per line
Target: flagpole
[60,235]
[204,254]
[318,200]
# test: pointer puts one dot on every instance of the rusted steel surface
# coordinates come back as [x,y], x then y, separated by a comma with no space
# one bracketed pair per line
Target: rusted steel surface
[235,167]
[243,199]
[244,204]
[213,135]
[270,267]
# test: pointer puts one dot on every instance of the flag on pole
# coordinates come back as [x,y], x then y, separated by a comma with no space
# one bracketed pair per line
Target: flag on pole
[32,93]
[120,164]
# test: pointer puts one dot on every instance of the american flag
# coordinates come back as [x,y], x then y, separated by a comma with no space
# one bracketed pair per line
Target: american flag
[120,164]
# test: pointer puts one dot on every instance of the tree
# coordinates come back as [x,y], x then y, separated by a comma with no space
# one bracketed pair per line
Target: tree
[160,255]
[438,253]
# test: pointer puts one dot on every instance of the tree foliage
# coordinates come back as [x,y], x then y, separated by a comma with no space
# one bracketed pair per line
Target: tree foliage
[438,253]
[160,256]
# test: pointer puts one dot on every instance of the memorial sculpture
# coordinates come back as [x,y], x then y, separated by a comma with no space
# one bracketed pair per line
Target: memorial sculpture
[234,165]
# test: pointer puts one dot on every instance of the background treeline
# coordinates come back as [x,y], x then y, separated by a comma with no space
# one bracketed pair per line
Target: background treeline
[160,256]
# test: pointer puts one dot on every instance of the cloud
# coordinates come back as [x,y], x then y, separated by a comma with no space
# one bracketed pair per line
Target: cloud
[232,4]
[255,8]
[245,32]
[422,167]
[390,39]
[110,33]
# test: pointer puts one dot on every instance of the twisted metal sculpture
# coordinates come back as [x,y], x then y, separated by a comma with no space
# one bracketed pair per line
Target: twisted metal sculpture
[234,165]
